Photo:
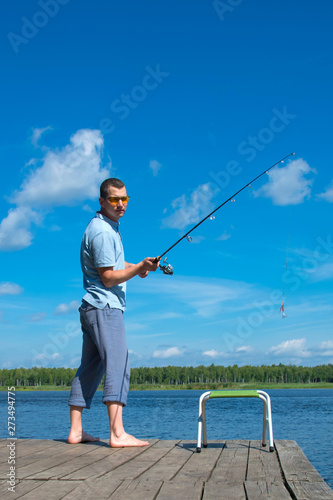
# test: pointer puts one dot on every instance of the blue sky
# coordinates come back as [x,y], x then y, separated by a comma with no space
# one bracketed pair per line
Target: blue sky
[185,102]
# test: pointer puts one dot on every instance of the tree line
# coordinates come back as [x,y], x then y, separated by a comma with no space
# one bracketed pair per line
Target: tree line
[179,375]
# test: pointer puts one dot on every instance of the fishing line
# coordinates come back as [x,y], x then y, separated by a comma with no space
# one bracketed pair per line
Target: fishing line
[168,269]
[282,308]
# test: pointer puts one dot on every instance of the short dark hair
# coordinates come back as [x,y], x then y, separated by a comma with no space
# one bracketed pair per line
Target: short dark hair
[104,189]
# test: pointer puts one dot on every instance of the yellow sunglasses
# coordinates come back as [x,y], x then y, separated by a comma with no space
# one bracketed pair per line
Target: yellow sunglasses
[114,200]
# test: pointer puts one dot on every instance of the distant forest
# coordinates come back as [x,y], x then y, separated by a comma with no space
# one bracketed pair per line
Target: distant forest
[176,375]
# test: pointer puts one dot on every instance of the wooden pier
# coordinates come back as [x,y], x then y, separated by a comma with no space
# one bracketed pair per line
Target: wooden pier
[230,470]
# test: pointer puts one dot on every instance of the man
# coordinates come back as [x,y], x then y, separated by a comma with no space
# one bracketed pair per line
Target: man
[104,350]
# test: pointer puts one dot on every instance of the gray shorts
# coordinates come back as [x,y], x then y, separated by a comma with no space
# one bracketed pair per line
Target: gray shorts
[104,350]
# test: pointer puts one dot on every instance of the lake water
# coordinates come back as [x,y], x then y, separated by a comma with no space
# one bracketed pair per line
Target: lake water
[302,415]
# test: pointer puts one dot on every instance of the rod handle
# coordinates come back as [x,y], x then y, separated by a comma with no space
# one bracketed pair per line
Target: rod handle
[157,259]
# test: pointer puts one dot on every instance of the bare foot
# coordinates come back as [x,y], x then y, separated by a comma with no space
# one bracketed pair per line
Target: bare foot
[124,440]
[80,437]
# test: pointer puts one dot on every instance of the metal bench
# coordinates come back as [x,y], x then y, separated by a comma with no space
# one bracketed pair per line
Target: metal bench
[267,413]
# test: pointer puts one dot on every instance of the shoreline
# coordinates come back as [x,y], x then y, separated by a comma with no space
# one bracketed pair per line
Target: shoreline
[207,387]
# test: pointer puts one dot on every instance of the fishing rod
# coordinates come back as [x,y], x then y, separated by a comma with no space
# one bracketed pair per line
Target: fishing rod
[167,268]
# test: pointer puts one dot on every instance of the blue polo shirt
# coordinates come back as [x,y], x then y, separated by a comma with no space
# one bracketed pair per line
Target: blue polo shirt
[102,247]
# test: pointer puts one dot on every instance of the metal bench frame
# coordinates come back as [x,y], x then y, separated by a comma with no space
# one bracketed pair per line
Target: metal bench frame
[267,413]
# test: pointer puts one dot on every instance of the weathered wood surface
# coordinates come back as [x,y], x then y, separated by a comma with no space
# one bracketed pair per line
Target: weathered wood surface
[303,479]
[165,470]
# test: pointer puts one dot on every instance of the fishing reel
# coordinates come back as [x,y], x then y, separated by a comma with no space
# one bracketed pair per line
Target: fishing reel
[167,269]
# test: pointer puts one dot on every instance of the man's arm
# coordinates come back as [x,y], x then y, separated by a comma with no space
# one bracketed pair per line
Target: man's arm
[142,275]
[112,277]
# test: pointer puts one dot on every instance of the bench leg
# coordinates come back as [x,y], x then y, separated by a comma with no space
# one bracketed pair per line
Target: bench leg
[202,421]
[267,419]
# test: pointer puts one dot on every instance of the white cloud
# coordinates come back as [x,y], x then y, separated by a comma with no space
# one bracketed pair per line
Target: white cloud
[151,335]
[75,362]
[44,357]
[15,231]
[245,348]
[190,209]
[213,353]
[67,308]
[197,239]
[326,348]
[134,327]
[155,167]
[66,177]
[288,185]
[167,353]
[54,228]
[37,317]
[87,208]
[326,344]
[327,194]
[37,133]
[7,288]
[295,347]
[224,236]
[168,315]
[7,364]
[322,273]
[212,297]
[135,354]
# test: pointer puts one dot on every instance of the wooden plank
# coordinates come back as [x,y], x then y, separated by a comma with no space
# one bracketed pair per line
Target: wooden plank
[21,488]
[50,489]
[227,478]
[200,465]
[139,489]
[117,458]
[188,489]
[262,464]
[303,490]
[44,464]
[31,446]
[92,488]
[132,469]
[295,466]
[188,483]
[232,464]
[165,470]
[4,448]
[223,490]
[169,465]
[264,477]
[94,456]
[272,489]
[41,454]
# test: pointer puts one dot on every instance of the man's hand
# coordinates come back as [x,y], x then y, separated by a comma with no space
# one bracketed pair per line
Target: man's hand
[148,265]
[143,275]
